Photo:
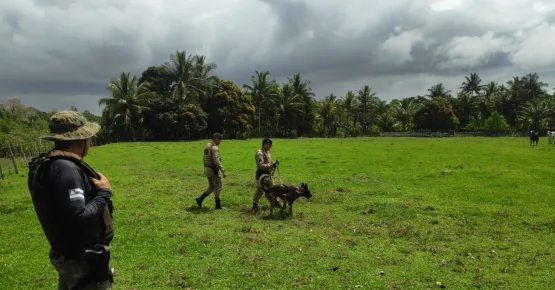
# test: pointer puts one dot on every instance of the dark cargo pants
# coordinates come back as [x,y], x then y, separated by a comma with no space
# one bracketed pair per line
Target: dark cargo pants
[71,271]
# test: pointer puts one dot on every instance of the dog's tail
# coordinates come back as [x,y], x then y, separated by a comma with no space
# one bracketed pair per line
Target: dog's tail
[260,183]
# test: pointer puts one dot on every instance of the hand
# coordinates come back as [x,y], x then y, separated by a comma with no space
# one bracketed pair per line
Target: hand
[101,183]
[224,174]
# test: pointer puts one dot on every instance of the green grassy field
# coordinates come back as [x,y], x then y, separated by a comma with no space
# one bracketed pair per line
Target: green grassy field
[385,213]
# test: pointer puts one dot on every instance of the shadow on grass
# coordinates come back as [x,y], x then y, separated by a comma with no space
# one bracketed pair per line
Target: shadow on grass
[275,217]
[263,213]
[196,210]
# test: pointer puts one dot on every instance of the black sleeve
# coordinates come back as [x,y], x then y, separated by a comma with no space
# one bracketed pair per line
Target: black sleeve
[70,192]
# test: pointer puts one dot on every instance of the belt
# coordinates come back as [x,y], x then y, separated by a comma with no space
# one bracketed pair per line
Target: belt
[57,255]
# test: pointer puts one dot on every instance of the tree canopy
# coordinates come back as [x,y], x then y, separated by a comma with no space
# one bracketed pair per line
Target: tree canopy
[184,98]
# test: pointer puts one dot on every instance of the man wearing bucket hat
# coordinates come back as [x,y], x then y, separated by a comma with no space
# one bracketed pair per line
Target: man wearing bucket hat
[73,204]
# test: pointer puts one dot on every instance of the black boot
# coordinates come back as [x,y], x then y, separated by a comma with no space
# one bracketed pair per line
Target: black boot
[255,208]
[200,199]
[218,204]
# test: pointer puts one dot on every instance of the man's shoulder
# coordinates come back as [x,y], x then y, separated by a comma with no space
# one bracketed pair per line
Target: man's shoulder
[211,145]
[61,168]
[64,167]
[61,163]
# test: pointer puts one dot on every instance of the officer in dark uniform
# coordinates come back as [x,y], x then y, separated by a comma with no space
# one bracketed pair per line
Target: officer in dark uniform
[73,205]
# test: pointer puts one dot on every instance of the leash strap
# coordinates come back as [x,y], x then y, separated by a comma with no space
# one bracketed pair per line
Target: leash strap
[279,175]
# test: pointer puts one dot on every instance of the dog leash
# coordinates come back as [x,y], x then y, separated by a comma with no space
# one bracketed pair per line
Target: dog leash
[279,175]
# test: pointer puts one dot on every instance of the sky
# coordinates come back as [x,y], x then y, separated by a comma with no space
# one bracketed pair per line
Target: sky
[58,53]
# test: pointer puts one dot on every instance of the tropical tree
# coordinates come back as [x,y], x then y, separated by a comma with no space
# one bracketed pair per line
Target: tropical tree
[496,123]
[405,110]
[261,91]
[466,106]
[348,106]
[437,91]
[287,106]
[533,87]
[127,102]
[365,97]
[302,88]
[194,78]
[327,113]
[472,85]
[229,111]
[388,123]
[535,115]
[488,98]
[436,115]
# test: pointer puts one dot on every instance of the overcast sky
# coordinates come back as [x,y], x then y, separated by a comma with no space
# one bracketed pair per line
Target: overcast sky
[58,53]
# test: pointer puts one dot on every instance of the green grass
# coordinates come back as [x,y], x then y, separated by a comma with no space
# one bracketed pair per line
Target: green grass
[468,212]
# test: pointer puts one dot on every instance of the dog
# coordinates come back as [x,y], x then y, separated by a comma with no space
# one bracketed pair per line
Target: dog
[287,193]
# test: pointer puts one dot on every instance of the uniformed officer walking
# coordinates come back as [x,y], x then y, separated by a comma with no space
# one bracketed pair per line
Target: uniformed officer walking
[264,166]
[212,168]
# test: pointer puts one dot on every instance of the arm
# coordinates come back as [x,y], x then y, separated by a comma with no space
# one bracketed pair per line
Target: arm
[216,158]
[71,194]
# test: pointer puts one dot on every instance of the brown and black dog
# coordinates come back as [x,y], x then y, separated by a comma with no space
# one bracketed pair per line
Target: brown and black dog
[287,193]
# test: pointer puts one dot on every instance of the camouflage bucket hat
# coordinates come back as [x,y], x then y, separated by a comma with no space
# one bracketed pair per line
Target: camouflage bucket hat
[70,125]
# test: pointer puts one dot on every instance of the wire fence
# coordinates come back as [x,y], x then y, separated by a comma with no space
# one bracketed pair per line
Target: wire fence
[456,134]
[14,158]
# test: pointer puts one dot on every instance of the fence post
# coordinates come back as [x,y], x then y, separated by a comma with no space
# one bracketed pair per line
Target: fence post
[13,159]
[23,152]
[31,150]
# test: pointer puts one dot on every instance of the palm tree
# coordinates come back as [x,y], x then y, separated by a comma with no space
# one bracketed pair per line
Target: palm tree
[380,106]
[387,122]
[437,91]
[262,90]
[194,77]
[466,105]
[488,97]
[302,88]
[365,97]
[551,110]
[472,85]
[535,114]
[501,99]
[327,111]
[516,97]
[204,79]
[128,100]
[533,87]
[349,104]
[405,110]
[287,104]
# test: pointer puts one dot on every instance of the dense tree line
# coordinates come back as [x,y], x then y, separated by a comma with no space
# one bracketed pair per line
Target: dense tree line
[185,99]
[20,124]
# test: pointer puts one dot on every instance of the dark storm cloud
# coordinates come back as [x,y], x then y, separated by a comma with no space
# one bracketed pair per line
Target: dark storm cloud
[58,52]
